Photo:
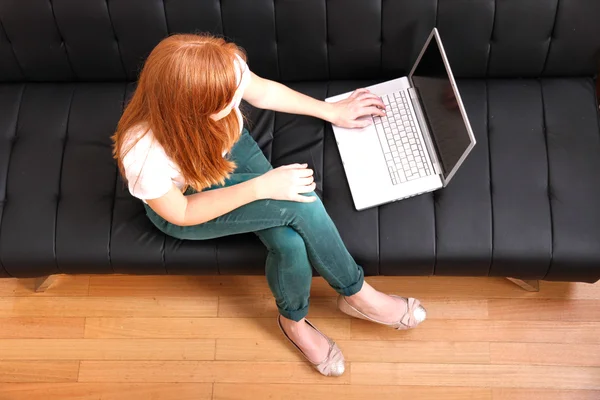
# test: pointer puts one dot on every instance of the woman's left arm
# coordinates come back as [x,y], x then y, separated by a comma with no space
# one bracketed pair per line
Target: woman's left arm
[271,95]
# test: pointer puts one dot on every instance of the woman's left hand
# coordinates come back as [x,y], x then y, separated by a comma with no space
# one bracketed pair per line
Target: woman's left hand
[348,113]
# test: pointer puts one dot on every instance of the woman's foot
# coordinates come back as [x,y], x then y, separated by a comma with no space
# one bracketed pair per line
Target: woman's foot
[314,345]
[384,308]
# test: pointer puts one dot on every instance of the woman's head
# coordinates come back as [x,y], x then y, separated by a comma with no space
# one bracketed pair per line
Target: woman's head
[185,94]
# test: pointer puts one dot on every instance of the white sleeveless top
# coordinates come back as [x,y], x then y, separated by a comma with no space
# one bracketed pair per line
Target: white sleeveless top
[149,171]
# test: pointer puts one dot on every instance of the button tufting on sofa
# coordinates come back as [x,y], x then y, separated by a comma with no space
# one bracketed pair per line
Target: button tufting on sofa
[524,204]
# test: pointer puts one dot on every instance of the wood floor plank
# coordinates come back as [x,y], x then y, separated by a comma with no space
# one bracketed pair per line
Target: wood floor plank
[237,391]
[65,285]
[362,351]
[574,354]
[187,286]
[203,371]
[455,309]
[416,352]
[107,349]
[568,290]
[38,371]
[106,391]
[543,394]
[174,286]
[263,306]
[485,331]
[256,350]
[515,376]
[41,328]
[420,287]
[176,337]
[202,328]
[545,310]
[326,307]
[108,307]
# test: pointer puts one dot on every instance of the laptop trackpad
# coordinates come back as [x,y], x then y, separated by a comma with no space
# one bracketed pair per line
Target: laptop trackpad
[363,157]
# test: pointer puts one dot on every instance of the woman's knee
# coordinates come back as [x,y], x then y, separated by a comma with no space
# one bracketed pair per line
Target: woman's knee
[314,211]
[285,240]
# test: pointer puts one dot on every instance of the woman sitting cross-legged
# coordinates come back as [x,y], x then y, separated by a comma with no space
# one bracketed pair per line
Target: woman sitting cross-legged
[182,149]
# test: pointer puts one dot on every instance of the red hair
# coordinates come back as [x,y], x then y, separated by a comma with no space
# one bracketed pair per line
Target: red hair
[185,80]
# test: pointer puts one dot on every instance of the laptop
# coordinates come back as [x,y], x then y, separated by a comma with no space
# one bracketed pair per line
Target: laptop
[421,142]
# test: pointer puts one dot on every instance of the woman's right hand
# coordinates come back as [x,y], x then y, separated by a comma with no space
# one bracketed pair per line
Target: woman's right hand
[287,183]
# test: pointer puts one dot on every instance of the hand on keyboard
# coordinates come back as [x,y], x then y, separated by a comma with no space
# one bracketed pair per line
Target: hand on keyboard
[349,113]
[400,142]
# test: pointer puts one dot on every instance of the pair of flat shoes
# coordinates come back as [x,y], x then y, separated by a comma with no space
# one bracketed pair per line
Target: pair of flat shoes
[334,363]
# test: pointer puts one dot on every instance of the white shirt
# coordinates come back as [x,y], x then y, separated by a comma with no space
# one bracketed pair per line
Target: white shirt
[149,171]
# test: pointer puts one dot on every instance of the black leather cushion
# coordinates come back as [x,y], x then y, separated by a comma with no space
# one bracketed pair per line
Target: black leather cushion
[524,203]
[301,40]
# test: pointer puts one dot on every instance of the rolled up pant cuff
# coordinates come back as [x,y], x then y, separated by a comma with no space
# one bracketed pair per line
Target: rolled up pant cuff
[294,315]
[354,287]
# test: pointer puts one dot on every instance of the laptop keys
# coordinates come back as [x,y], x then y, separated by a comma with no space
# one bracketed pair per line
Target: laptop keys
[401,147]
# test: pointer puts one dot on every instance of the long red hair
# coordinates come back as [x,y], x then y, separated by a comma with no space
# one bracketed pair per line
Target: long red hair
[185,80]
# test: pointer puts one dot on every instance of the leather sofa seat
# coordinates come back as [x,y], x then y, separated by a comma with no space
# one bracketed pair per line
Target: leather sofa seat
[524,204]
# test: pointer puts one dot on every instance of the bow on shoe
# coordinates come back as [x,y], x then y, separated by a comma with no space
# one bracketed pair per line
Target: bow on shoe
[412,318]
[334,363]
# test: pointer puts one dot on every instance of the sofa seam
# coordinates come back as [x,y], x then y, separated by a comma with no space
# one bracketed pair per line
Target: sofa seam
[276,39]
[489,53]
[381,38]
[489,142]
[551,37]
[60,176]
[165,15]
[273,130]
[114,197]
[221,17]
[596,102]
[62,40]
[112,26]
[13,50]
[327,40]
[548,188]
[217,258]
[162,254]
[22,91]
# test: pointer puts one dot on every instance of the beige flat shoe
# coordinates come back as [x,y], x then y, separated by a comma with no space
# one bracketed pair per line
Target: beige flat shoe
[333,364]
[414,315]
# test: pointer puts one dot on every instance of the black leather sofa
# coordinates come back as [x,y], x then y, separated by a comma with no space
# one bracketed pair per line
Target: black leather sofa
[526,203]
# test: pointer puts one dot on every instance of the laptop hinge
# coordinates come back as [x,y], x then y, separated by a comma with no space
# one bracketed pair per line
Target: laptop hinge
[414,96]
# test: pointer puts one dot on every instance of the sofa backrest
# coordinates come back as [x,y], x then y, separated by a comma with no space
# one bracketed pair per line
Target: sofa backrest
[290,40]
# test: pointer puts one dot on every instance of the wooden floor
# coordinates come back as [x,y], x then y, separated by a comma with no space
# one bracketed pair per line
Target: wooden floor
[183,338]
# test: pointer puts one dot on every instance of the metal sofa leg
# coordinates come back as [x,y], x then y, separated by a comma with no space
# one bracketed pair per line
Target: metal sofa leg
[529,285]
[43,283]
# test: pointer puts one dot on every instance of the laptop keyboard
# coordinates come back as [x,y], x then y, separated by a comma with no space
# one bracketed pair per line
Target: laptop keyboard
[399,140]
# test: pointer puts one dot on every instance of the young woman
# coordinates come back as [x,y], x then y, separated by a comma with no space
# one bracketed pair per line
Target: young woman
[182,149]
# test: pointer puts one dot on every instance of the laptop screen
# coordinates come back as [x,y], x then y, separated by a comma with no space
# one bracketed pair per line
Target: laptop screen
[448,128]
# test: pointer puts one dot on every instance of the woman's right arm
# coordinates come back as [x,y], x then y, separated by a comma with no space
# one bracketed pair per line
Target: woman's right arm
[284,183]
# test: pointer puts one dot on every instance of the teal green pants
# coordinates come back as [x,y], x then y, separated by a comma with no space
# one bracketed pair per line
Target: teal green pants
[296,235]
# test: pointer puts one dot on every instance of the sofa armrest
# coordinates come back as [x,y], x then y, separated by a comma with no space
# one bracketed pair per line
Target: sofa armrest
[598,79]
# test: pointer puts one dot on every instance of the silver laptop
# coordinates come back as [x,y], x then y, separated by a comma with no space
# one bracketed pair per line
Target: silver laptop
[420,143]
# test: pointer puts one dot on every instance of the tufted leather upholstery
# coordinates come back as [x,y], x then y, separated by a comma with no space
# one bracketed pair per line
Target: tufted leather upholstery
[293,40]
[525,203]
